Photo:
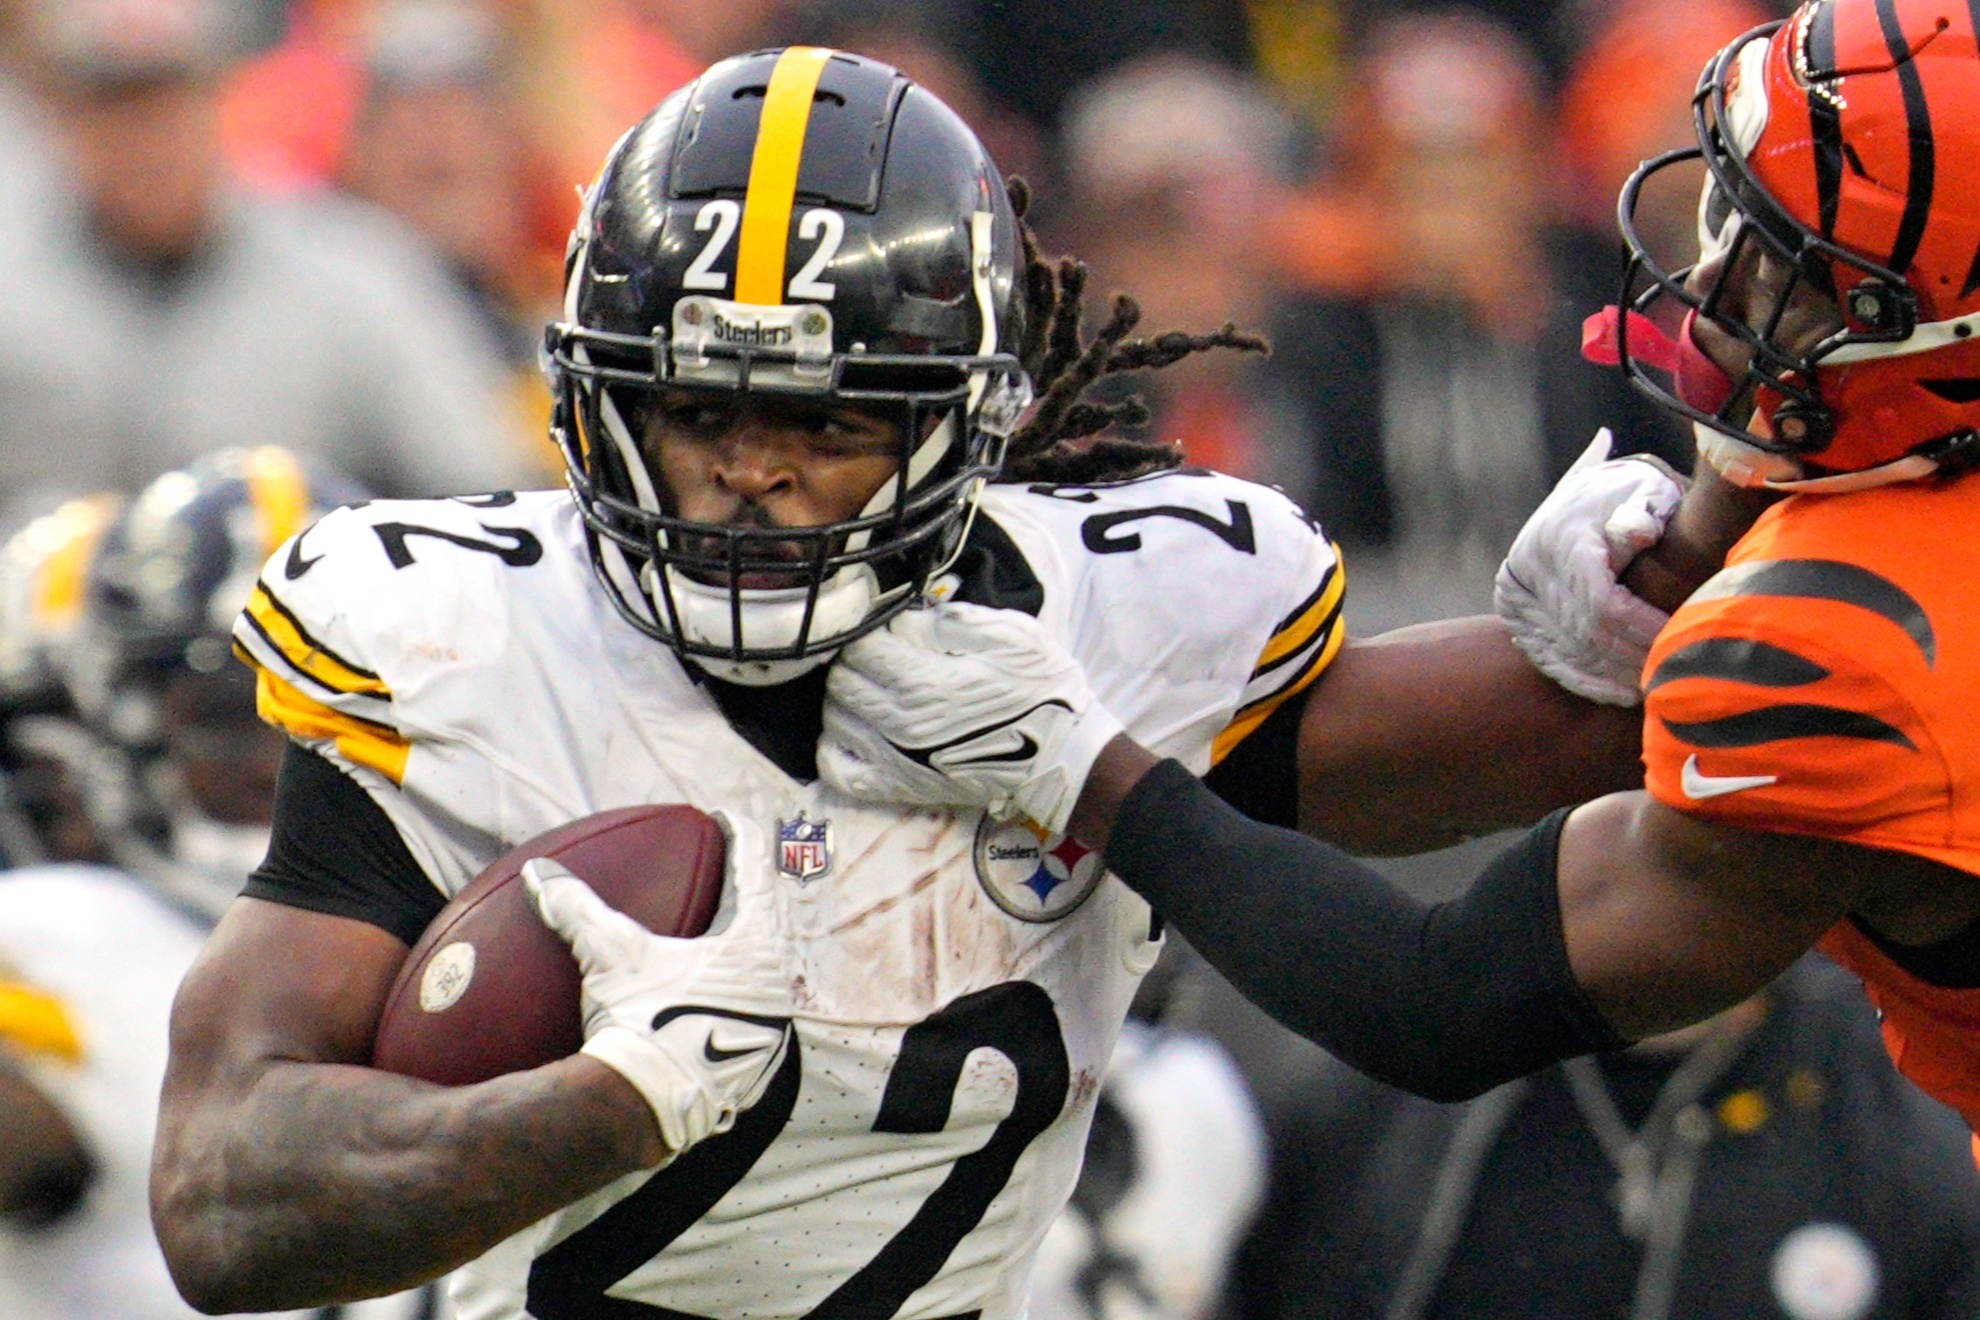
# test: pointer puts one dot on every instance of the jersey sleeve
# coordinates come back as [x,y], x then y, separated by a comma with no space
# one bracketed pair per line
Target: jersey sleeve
[1776,700]
[377,637]
[314,675]
[1198,603]
[1298,650]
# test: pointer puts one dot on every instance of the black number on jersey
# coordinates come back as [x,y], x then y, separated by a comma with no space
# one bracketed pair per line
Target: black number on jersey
[1016,1019]
[1098,535]
[524,551]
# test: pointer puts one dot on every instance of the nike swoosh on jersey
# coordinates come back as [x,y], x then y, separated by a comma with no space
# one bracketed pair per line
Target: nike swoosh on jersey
[1698,786]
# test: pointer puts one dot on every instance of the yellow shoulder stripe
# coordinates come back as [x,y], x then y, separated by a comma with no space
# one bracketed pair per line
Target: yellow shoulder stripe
[38,1023]
[308,655]
[773,175]
[1305,626]
[360,741]
[1249,719]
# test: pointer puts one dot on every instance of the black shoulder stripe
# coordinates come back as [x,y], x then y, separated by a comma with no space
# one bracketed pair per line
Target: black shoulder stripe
[1326,580]
[1918,131]
[275,603]
[1740,661]
[1780,723]
[1828,579]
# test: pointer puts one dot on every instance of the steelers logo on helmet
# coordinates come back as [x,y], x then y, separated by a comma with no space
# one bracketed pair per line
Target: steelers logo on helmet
[1839,264]
[808,224]
[1032,874]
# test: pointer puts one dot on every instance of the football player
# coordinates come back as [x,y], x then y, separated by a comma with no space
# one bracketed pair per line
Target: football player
[1810,738]
[803,330]
[116,620]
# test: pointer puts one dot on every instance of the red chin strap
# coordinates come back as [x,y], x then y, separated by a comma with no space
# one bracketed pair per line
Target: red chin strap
[1695,379]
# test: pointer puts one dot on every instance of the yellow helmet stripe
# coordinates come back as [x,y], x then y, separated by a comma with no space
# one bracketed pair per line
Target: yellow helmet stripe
[280,493]
[773,175]
[64,576]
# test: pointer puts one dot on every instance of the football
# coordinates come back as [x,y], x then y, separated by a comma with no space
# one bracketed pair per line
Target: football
[489,989]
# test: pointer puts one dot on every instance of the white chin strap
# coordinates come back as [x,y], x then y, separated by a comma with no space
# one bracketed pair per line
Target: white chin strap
[770,619]
[1749,465]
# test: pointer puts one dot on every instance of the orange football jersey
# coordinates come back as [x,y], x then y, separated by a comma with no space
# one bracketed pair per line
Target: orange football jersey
[1827,682]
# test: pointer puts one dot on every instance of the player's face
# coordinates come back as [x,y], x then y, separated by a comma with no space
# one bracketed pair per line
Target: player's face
[1751,295]
[755,461]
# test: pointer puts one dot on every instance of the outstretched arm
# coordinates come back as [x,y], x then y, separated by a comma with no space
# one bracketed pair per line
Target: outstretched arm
[286,1174]
[1620,920]
[1430,735]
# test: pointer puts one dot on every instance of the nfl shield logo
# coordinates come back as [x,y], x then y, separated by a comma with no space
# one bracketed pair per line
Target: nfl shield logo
[804,848]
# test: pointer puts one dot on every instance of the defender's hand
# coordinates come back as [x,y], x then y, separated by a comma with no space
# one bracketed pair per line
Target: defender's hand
[1559,590]
[962,705]
[698,1026]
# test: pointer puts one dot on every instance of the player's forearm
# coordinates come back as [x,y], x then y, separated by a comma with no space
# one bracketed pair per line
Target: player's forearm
[1427,736]
[1445,1000]
[328,1183]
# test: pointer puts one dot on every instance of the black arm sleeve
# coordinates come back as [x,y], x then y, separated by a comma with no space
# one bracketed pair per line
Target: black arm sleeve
[1447,1000]
[334,850]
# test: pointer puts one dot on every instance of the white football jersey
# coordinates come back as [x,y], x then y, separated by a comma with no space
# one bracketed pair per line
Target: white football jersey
[89,961]
[961,982]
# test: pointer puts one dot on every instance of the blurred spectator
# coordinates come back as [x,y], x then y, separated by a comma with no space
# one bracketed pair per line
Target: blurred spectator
[925,40]
[1447,364]
[1768,1162]
[135,604]
[1169,163]
[580,73]
[168,314]
[440,141]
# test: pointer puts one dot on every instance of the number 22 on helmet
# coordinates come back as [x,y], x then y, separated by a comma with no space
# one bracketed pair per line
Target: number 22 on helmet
[797,225]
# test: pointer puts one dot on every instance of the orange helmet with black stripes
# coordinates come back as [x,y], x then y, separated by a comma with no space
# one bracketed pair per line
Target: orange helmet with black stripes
[1844,145]
[807,223]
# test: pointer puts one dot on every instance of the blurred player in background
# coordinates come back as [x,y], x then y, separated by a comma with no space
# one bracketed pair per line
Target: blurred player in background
[1809,734]
[174,776]
[156,311]
[805,325]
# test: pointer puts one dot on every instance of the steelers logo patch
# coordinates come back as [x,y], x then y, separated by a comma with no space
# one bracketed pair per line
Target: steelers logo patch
[1033,875]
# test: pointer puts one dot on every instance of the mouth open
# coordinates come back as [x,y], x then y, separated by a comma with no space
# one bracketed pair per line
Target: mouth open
[760,563]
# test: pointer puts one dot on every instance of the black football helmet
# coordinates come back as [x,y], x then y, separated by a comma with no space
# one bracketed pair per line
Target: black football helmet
[183,800]
[808,223]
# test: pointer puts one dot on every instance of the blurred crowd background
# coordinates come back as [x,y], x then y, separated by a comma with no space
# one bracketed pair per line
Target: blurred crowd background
[337,227]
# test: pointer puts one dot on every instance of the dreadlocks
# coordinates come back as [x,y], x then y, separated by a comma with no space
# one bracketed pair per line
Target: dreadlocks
[1063,365]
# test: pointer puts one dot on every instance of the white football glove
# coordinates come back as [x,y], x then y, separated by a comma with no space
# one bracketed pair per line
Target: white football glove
[1557,590]
[963,705]
[698,1026]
